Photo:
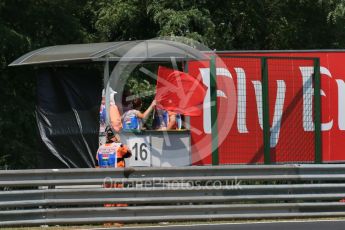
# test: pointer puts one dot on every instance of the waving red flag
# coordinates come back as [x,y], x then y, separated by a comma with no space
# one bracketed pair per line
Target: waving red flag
[179,92]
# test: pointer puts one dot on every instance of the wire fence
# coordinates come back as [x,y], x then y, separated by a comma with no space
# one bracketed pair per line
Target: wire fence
[244,141]
[291,105]
[277,112]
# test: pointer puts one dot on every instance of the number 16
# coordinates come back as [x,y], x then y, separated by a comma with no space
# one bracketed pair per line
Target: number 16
[142,151]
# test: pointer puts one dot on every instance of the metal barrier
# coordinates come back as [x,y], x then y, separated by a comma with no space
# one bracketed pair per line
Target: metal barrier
[77,196]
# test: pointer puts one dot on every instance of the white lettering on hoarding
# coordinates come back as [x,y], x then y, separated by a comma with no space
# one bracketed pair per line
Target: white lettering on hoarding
[325,126]
[242,127]
[308,94]
[278,113]
[341,104]
[258,96]
[241,100]
[205,74]
[278,109]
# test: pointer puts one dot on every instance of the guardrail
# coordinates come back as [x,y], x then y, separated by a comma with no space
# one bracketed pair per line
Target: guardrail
[77,196]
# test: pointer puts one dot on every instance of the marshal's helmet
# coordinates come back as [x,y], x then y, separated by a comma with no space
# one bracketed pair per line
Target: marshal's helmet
[110,134]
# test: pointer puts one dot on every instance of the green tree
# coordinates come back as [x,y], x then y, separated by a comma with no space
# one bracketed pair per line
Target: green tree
[118,20]
[336,19]
[145,19]
[274,24]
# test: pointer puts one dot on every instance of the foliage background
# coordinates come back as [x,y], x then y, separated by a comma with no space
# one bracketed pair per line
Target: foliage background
[26,25]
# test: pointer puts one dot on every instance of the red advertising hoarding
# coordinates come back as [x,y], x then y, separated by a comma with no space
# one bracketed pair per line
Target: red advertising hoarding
[291,89]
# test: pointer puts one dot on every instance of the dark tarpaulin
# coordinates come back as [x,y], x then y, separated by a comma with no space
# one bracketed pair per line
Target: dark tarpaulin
[68,116]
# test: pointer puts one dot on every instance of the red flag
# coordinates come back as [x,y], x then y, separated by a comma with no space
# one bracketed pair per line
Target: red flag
[179,92]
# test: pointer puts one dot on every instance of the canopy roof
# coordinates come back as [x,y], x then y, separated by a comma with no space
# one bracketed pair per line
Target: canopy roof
[143,51]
